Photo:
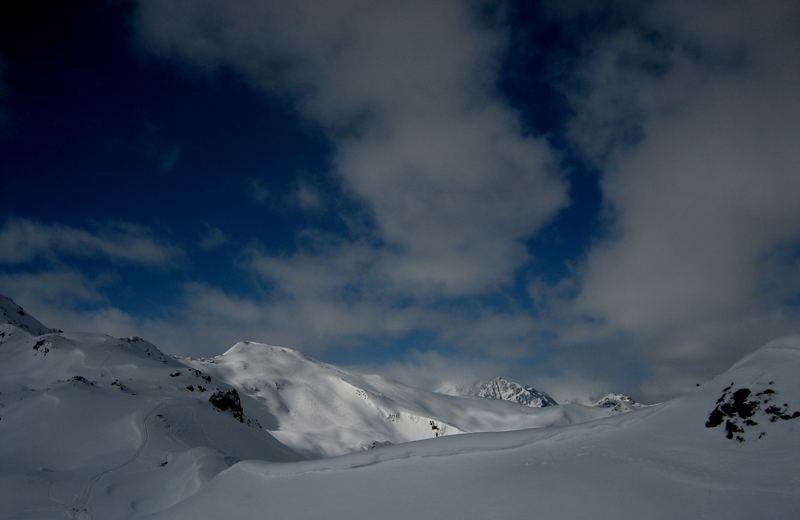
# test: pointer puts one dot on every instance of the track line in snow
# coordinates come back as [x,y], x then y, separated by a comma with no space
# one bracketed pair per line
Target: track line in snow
[81,506]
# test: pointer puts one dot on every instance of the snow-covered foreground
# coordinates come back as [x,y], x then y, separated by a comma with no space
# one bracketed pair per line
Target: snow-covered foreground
[98,427]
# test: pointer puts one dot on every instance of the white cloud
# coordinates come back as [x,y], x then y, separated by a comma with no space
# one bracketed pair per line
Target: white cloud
[338,292]
[313,315]
[207,321]
[451,373]
[406,93]
[67,299]
[54,287]
[578,389]
[332,296]
[436,372]
[705,201]
[689,110]
[23,240]
[448,177]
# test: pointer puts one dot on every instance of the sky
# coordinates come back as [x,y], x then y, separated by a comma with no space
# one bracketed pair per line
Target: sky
[584,196]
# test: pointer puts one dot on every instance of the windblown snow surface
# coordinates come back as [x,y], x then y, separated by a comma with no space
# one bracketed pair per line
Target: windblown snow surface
[98,427]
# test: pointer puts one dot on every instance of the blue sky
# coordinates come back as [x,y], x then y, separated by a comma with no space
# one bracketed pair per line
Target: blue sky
[586,196]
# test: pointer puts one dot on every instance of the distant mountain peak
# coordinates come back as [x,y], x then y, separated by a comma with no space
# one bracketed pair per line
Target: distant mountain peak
[249,346]
[255,352]
[256,348]
[618,402]
[506,390]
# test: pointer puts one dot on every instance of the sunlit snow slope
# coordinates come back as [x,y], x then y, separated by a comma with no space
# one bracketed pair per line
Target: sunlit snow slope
[321,410]
[13,314]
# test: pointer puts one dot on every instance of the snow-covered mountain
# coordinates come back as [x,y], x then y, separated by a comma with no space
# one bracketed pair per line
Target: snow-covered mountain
[505,390]
[13,314]
[618,403]
[321,410]
[93,425]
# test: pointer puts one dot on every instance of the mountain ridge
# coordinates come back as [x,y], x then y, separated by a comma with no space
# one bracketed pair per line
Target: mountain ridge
[321,409]
[501,388]
[13,314]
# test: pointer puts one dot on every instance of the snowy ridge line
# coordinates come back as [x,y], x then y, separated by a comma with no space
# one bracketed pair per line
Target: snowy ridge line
[320,410]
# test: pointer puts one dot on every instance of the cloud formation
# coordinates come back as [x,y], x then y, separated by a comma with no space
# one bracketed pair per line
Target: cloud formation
[436,372]
[450,182]
[40,269]
[701,179]
[58,287]
[406,93]
[23,240]
[688,111]
[67,299]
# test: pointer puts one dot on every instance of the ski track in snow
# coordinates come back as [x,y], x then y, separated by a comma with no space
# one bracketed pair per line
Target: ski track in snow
[81,507]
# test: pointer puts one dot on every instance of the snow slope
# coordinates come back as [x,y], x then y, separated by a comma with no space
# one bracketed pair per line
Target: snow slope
[92,425]
[661,462]
[321,410]
[13,314]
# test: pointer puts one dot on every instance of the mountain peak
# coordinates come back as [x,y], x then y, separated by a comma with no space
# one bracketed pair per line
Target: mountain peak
[507,390]
[255,348]
[618,402]
[13,314]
